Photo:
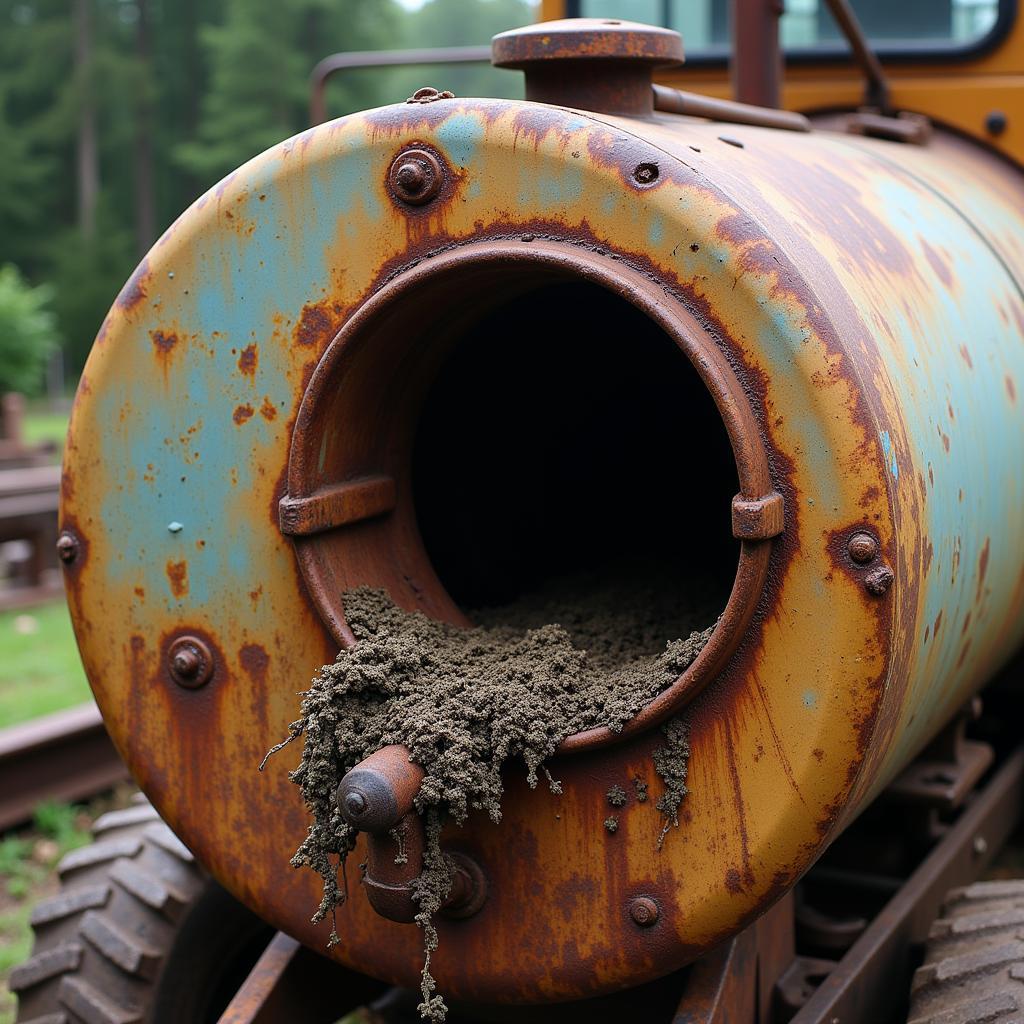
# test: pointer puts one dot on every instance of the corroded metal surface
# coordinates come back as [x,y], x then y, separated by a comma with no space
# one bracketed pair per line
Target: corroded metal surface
[868,302]
[597,63]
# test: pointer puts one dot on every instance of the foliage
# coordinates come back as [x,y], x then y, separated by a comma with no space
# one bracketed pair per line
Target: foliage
[28,331]
[171,95]
[40,670]
[43,426]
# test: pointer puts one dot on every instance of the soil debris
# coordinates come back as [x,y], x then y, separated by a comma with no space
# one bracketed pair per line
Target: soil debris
[616,796]
[611,823]
[671,762]
[641,790]
[467,701]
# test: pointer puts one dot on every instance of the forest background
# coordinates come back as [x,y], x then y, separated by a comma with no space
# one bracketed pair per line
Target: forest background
[116,114]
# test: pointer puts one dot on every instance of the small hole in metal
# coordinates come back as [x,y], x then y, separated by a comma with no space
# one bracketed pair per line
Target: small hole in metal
[646,174]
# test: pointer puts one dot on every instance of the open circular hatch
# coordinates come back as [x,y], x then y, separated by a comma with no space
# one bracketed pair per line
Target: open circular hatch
[512,419]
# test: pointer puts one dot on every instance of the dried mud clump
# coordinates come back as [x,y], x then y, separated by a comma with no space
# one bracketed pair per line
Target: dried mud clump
[467,701]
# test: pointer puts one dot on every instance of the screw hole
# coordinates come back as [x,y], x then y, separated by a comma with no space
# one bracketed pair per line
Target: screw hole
[646,174]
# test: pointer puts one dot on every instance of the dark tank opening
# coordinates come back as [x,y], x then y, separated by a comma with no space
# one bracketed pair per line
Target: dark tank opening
[567,441]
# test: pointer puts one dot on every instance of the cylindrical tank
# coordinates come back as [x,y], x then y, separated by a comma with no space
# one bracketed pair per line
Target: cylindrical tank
[431,346]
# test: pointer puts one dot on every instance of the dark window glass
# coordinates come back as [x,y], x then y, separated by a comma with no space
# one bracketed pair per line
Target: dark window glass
[807,24]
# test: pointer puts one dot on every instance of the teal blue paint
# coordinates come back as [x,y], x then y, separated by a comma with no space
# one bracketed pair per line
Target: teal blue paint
[810,700]
[656,231]
[609,204]
[460,136]
[781,335]
[245,281]
[886,443]
[928,372]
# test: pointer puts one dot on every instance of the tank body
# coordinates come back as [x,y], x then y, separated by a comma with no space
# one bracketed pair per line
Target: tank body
[868,299]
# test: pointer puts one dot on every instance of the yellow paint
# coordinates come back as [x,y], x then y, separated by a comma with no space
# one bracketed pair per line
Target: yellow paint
[959,94]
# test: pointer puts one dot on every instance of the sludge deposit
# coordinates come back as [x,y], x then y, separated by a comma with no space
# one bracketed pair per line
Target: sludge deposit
[572,657]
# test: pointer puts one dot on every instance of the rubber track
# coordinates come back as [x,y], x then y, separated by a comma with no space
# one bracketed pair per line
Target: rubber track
[102,940]
[974,963]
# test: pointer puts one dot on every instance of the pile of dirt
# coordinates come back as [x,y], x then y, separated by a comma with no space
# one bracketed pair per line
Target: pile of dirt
[575,656]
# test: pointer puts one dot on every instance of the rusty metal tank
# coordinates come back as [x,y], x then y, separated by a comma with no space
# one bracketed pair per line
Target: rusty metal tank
[430,347]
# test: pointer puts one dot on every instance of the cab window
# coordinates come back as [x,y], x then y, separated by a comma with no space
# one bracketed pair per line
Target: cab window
[894,26]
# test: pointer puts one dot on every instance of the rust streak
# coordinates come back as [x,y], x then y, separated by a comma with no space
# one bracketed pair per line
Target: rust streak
[248,360]
[983,566]
[177,576]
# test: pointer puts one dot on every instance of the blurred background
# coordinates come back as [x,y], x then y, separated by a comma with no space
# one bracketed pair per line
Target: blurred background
[114,116]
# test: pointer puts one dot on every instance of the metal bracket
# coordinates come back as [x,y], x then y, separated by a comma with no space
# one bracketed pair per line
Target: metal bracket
[758,518]
[338,505]
[948,769]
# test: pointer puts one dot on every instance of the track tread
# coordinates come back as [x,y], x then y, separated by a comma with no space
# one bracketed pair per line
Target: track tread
[45,965]
[138,934]
[152,891]
[65,904]
[103,939]
[99,853]
[119,947]
[974,962]
[88,1003]
[128,816]
[160,834]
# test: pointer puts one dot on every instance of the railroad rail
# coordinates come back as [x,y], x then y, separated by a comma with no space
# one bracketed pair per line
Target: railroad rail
[63,756]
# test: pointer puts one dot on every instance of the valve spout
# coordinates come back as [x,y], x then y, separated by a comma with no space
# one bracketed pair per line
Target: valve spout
[376,797]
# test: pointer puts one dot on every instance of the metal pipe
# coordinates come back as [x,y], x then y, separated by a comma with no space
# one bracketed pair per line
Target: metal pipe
[877,91]
[384,59]
[756,62]
[675,101]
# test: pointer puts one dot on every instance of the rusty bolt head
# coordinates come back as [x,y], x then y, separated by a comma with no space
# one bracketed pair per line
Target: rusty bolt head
[468,893]
[996,122]
[415,176]
[355,803]
[190,662]
[67,547]
[862,547]
[879,580]
[645,174]
[644,911]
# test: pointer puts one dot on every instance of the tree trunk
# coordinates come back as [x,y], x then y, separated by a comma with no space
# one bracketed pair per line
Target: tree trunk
[145,206]
[88,171]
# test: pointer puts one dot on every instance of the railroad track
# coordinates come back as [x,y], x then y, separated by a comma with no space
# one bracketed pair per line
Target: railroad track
[64,756]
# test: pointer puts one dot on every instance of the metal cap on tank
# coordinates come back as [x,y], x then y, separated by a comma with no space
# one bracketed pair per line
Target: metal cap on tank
[598,64]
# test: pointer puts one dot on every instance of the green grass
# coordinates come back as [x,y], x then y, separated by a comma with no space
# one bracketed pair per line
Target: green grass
[40,424]
[39,667]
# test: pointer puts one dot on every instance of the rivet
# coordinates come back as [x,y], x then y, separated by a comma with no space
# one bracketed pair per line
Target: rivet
[174,527]
[67,547]
[190,662]
[730,141]
[862,547]
[415,176]
[644,911]
[996,122]
[878,580]
[645,174]
[980,846]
